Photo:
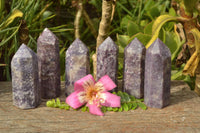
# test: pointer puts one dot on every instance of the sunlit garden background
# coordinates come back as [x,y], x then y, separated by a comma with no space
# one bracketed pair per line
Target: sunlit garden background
[175,22]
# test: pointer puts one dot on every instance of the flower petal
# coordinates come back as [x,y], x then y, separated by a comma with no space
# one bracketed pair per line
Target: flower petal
[78,85]
[73,100]
[94,109]
[111,100]
[107,83]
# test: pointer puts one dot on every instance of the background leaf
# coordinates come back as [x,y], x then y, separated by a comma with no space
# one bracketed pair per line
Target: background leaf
[134,106]
[15,14]
[143,38]
[157,26]
[142,105]
[132,28]
[125,107]
[122,40]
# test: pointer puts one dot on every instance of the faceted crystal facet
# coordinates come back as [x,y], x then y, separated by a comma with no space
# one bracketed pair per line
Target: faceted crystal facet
[107,60]
[49,64]
[25,82]
[77,64]
[134,64]
[157,75]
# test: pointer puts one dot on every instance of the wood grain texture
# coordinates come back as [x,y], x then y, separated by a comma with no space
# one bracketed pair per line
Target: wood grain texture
[182,115]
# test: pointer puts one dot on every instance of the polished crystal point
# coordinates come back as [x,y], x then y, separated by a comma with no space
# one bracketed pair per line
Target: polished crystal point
[107,60]
[49,64]
[25,82]
[77,64]
[157,75]
[134,65]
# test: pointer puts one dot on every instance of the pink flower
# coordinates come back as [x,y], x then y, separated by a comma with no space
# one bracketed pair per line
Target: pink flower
[95,94]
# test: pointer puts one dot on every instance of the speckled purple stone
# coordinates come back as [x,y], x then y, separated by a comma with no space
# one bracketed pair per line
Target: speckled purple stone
[134,65]
[25,82]
[77,64]
[157,75]
[107,60]
[49,64]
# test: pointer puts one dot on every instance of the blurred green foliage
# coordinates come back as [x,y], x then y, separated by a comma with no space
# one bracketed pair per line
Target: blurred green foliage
[22,21]
[132,18]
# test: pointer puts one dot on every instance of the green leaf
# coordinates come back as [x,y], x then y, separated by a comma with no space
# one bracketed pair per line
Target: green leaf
[53,101]
[154,12]
[172,12]
[58,101]
[125,107]
[10,37]
[132,98]
[41,12]
[109,108]
[143,23]
[170,41]
[115,109]
[119,93]
[132,28]
[190,81]
[178,75]
[129,106]
[142,105]
[143,38]
[159,23]
[121,51]
[8,29]
[49,104]
[103,109]
[134,106]
[179,43]
[83,109]
[120,109]
[46,14]
[148,28]
[122,40]
[139,100]
[124,8]
[126,97]
[62,106]
[15,14]
[114,93]
[87,109]
[67,107]
[124,22]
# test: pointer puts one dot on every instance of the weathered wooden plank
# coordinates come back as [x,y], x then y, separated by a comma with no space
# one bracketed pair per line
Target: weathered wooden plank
[182,115]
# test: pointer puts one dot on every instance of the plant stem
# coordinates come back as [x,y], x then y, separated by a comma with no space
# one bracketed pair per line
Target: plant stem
[77,19]
[103,27]
[105,22]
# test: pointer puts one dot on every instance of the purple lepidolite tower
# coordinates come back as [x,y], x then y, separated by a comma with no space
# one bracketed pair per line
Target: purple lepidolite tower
[134,65]
[49,64]
[157,75]
[107,60]
[77,64]
[25,82]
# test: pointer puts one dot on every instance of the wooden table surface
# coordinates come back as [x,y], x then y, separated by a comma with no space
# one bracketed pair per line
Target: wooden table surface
[181,116]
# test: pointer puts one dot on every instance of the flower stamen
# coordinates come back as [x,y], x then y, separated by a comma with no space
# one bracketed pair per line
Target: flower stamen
[93,93]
